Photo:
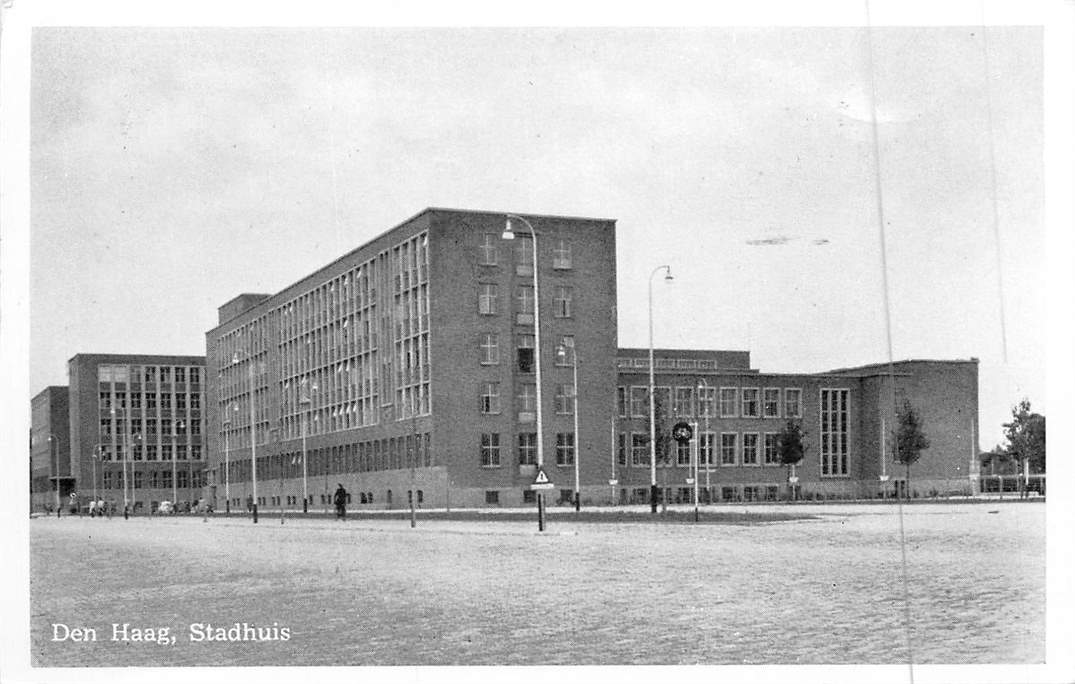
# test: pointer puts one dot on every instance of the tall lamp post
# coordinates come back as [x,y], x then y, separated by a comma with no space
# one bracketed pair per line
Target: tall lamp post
[703,386]
[305,399]
[253,438]
[509,234]
[56,473]
[561,351]
[652,419]
[227,462]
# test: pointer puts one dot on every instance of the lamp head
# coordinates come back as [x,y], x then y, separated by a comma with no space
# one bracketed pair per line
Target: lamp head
[509,232]
[235,357]
[668,274]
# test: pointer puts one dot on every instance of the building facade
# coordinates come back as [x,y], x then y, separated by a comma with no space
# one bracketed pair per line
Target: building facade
[137,428]
[847,417]
[51,477]
[408,367]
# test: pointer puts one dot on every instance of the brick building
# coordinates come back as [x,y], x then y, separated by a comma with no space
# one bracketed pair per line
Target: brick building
[50,451]
[136,428]
[406,368]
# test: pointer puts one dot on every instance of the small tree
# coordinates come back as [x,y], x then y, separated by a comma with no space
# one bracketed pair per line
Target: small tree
[908,440]
[1026,437]
[790,449]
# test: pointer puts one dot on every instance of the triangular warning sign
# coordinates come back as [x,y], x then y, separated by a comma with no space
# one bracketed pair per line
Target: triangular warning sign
[541,478]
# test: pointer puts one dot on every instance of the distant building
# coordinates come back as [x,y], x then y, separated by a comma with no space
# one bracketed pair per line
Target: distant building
[406,368]
[137,428]
[50,452]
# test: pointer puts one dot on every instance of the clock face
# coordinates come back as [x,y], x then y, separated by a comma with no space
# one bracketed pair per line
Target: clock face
[682,432]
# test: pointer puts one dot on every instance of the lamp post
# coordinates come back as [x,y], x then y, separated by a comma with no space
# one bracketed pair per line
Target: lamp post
[561,351]
[123,464]
[304,398]
[56,473]
[509,234]
[703,386]
[227,461]
[253,438]
[175,449]
[93,461]
[652,419]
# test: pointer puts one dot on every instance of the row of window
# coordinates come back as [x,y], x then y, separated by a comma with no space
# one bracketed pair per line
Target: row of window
[179,401]
[745,449]
[489,398]
[153,479]
[395,453]
[150,452]
[489,301]
[148,374]
[523,252]
[526,449]
[148,427]
[734,402]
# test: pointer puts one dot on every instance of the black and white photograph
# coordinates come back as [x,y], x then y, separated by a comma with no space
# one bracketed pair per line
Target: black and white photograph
[415,345]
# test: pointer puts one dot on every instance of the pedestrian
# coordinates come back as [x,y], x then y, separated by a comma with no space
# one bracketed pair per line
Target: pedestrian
[249,503]
[340,499]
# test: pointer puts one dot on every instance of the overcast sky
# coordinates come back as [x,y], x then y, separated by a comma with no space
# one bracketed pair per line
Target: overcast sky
[172,169]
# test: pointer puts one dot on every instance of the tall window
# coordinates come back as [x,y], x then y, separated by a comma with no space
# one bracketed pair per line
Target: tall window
[728,448]
[524,255]
[750,448]
[793,405]
[639,402]
[772,456]
[728,397]
[487,294]
[706,402]
[683,454]
[565,399]
[770,406]
[751,408]
[489,347]
[490,450]
[525,353]
[524,300]
[487,249]
[562,301]
[834,441]
[705,455]
[489,401]
[527,448]
[561,254]
[565,448]
[621,449]
[621,402]
[526,397]
[684,400]
[180,374]
[639,449]
[195,376]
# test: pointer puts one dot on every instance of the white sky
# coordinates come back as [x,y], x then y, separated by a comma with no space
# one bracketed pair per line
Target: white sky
[172,169]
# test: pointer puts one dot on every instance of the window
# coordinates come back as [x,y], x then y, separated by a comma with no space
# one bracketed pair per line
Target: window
[136,400]
[684,402]
[181,402]
[489,401]
[105,400]
[639,402]
[166,374]
[834,432]
[683,454]
[181,479]
[106,427]
[793,406]
[706,402]
[180,374]
[561,303]
[195,452]
[195,376]
[750,448]
[524,255]
[166,452]
[526,399]
[527,448]
[487,294]
[489,348]
[490,450]
[621,449]
[487,249]
[151,452]
[181,453]
[750,493]
[524,304]
[151,374]
[492,497]
[151,427]
[195,401]
[728,448]
[751,409]
[705,456]
[565,448]
[621,402]
[151,401]
[154,479]
[639,449]
[138,477]
[525,353]
[728,397]
[529,496]
[121,400]
[771,454]
[565,399]
[561,254]
[771,403]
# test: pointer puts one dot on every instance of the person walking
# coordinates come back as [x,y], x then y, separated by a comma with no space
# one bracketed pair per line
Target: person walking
[340,499]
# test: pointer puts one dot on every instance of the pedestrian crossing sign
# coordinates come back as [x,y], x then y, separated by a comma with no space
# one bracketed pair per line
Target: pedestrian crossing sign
[541,481]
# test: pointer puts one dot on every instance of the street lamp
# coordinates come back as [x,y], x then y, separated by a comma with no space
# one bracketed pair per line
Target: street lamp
[253,437]
[227,462]
[305,398]
[123,463]
[509,234]
[561,352]
[652,418]
[56,473]
[703,386]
